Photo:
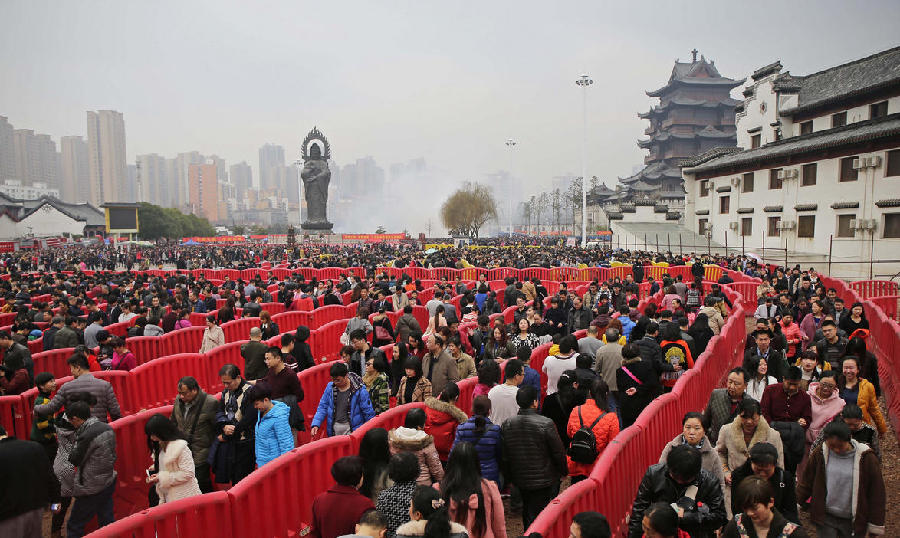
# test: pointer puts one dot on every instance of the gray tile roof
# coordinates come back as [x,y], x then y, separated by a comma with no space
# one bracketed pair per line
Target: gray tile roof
[858,77]
[879,128]
[87,213]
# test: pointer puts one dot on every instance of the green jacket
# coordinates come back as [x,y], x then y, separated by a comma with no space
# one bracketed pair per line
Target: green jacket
[43,429]
[379,392]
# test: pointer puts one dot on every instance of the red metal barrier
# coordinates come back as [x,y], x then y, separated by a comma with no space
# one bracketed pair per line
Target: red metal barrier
[207,515]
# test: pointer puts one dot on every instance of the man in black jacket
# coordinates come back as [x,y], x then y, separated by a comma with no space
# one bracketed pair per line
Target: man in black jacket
[681,480]
[27,486]
[534,458]
[763,463]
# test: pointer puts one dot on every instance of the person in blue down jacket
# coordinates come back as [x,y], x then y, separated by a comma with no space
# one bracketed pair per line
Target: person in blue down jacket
[485,436]
[345,405]
[273,429]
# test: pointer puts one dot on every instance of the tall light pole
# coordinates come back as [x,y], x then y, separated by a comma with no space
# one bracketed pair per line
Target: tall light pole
[584,81]
[511,144]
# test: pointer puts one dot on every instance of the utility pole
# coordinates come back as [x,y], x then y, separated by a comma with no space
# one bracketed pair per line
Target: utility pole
[511,144]
[584,81]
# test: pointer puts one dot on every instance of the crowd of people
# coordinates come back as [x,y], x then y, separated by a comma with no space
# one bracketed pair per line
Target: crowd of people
[797,425]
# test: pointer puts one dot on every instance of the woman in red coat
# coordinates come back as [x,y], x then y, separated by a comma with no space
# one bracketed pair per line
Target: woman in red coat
[442,419]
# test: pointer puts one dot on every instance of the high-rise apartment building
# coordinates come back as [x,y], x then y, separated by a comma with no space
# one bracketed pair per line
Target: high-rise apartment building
[7,150]
[180,183]
[36,159]
[106,146]
[75,184]
[241,176]
[271,157]
[153,180]
[204,191]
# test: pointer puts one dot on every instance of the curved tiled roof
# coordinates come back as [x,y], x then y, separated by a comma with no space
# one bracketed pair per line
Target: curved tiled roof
[859,77]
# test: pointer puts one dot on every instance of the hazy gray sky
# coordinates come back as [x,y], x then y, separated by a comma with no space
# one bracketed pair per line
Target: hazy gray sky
[447,81]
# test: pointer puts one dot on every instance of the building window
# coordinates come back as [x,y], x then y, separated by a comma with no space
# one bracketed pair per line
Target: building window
[839,119]
[806,127]
[806,226]
[747,183]
[843,226]
[848,173]
[746,226]
[892,225]
[809,174]
[704,188]
[892,167]
[773,226]
[755,141]
[702,226]
[774,181]
[724,204]
[878,110]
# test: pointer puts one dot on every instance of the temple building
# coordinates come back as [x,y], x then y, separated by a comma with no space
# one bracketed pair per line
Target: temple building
[816,176]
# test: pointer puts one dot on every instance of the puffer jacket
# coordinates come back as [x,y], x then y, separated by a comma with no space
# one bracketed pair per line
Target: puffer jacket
[604,431]
[441,421]
[100,389]
[94,457]
[273,434]
[360,406]
[822,410]
[658,486]
[534,457]
[422,445]
[716,321]
[62,467]
[487,444]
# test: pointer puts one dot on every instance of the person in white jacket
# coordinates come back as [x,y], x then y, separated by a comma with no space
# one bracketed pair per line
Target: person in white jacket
[173,473]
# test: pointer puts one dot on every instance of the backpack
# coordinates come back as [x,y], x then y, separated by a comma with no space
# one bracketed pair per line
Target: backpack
[692,298]
[583,448]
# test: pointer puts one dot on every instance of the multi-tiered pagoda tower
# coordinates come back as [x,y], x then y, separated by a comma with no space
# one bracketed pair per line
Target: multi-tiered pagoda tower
[695,113]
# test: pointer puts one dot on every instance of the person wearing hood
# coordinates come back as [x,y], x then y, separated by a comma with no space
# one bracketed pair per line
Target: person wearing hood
[411,437]
[345,405]
[694,435]
[273,434]
[302,352]
[826,404]
[442,419]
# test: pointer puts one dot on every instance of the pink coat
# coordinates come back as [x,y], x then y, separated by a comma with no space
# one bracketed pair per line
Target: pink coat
[176,473]
[822,411]
[495,520]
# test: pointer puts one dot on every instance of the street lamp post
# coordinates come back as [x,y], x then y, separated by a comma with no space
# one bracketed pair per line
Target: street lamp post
[511,144]
[584,81]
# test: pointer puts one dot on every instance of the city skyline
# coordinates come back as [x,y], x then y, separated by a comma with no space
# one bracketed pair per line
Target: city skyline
[459,94]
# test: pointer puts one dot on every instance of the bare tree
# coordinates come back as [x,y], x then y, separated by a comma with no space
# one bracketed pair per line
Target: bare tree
[469,209]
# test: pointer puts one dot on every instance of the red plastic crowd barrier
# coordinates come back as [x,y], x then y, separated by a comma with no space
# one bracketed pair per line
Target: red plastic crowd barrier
[868,289]
[888,305]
